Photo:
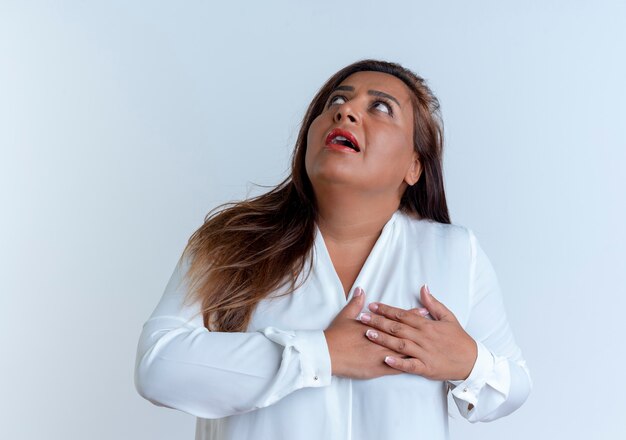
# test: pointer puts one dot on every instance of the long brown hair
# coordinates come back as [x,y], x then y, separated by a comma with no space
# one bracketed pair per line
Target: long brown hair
[246,250]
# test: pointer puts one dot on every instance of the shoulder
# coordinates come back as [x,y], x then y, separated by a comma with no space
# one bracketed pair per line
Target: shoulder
[430,232]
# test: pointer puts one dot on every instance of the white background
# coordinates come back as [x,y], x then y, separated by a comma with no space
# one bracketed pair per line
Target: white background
[123,123]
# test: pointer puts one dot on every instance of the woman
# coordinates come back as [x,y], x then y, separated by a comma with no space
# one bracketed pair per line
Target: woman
[305,313]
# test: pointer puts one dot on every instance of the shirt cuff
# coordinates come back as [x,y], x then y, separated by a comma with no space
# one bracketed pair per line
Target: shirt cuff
[469,389]
[315,357]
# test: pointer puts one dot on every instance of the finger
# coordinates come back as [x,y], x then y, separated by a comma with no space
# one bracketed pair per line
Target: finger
[354,306]
[410,365]
[397,314]
[390,326]
[437,309]
[399,345]
[421,311]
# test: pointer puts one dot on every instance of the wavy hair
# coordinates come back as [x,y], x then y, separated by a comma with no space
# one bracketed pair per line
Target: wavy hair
[246,250]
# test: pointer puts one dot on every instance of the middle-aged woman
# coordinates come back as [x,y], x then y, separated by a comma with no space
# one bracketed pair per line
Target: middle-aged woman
[305,313]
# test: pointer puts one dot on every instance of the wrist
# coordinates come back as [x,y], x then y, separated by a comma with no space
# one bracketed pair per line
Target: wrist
[333,357]
[472,358]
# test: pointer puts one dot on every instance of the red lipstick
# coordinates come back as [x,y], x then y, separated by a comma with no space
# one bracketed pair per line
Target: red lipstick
[342,140]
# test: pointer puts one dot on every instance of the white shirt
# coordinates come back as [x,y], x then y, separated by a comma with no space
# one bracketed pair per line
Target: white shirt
[274,380]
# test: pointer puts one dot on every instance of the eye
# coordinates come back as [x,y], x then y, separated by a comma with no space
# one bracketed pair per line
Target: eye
[384,105]
[334,98]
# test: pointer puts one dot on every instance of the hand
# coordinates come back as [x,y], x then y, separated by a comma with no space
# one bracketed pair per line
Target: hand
[437,349]
[352,354]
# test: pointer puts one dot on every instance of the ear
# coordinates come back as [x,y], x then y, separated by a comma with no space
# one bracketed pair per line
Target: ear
[415,170]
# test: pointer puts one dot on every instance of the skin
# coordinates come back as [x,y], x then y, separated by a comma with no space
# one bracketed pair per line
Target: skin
[357,193]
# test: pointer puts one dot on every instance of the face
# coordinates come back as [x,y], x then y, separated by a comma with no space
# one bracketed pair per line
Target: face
[373,110]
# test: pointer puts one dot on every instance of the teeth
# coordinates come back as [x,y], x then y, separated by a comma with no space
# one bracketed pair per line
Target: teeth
[344,141]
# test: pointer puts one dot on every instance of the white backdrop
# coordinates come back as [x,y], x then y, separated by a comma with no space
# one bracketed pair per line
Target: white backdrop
[123,123]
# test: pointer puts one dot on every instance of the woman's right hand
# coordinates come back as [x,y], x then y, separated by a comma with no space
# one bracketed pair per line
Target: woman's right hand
[352,354]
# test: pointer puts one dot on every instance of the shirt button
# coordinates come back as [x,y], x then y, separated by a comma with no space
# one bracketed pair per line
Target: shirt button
[465,390]
[315,378]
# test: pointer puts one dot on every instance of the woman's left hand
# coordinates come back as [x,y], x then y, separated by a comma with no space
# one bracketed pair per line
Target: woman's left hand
[437,348]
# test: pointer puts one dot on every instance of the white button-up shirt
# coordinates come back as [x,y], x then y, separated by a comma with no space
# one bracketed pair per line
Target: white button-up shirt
[274,380]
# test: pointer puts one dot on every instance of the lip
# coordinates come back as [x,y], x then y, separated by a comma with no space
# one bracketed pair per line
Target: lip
[339,132]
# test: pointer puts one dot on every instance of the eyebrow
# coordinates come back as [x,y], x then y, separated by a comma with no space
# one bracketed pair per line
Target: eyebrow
[369,92]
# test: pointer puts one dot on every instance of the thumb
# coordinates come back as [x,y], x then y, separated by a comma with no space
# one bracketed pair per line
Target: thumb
[354,306]
[437,310]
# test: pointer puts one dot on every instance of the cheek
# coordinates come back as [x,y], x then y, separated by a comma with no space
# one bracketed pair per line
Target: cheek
[310,142]
[314,135]
[403,145]
[390,156]
[394,146]
[313,132]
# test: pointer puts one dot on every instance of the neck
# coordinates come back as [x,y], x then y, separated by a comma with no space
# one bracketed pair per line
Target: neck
[349,218]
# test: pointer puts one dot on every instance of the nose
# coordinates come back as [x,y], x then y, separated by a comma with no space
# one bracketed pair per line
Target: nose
[344,111]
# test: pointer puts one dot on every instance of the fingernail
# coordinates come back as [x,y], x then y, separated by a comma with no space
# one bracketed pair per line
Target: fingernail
[371,334]
[390,360]
[373,307]
[364,317]
[357,292]
[423,311]
[427,289]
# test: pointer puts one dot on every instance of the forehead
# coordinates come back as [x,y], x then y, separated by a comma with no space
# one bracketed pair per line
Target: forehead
[380,81]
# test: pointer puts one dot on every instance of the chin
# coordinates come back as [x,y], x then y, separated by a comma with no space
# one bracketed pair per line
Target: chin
[330,167]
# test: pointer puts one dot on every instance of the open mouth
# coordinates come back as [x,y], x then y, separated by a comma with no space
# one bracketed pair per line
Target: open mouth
[342,137]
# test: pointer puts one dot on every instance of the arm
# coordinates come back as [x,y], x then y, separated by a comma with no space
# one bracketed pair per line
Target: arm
[181,365]
[499,382]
